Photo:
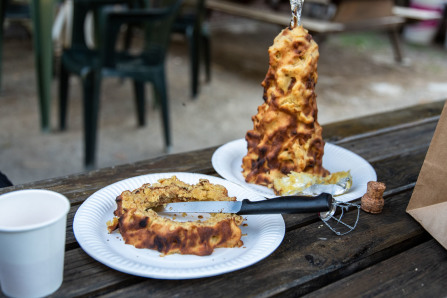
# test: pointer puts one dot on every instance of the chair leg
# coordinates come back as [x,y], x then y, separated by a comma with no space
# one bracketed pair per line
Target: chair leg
[63,96]
[207,53]
[395,42]
[91,87]
[44,69]
[128,37]
[194,48]
[2,19]
[161,92]
[140,102]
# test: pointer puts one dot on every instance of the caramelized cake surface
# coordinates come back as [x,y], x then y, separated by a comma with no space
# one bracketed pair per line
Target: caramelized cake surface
[142,227]
[286,135]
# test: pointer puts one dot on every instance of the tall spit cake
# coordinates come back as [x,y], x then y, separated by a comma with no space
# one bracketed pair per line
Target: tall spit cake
[286,135]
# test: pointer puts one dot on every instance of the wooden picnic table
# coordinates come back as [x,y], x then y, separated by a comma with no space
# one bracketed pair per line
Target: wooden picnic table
[388,254]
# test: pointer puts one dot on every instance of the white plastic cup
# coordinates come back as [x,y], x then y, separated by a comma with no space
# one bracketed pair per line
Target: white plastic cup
[32,242]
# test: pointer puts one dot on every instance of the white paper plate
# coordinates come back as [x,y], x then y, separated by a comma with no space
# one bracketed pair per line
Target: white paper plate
[227,161]
[264,234]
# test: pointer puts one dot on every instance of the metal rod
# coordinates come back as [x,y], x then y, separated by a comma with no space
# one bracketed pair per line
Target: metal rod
[296,7]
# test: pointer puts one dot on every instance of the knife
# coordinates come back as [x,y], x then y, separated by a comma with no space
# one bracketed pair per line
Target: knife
[283,205]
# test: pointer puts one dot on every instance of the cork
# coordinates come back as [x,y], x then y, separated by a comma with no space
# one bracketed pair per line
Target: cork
[372,201]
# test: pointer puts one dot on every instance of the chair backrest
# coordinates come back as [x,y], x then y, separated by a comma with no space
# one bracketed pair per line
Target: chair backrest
[80,10]
[196,8]
[154,16]
[16,10]
[155,19]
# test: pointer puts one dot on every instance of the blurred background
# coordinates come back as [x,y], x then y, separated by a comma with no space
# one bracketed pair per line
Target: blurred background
[359,75]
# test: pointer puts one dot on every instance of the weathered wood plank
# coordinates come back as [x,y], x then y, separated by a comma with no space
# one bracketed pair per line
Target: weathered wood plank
[390,171]
[81,269]
[79,186]
[387,144]
[84,184]
[390,152]
[420,271]
[379,122]
[399,173]
[397,170]
[381,144]
[307,259]
[304,261]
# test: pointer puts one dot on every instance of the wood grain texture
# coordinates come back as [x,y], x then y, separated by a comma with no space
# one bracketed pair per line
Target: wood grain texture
[419,271]
[379,258]
[308,258]
[358,127]
[310,254]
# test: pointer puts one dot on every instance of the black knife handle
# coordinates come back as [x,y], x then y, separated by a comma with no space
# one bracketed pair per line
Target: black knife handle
[287,205]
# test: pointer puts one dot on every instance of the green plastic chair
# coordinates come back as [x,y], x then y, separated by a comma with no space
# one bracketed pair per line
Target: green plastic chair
[190,22]
[91,65]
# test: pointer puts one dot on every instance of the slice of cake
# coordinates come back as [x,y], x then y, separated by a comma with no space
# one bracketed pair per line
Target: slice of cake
[141,226]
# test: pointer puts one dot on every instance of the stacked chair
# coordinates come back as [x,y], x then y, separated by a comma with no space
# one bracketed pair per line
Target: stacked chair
[190,22]
[91,65]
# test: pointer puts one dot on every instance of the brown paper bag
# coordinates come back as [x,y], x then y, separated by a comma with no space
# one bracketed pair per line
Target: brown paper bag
[428,203]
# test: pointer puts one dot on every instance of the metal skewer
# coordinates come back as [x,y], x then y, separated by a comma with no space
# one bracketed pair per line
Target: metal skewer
[297,7]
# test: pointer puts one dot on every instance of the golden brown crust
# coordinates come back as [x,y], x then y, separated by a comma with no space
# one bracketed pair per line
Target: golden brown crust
[142,227]
[169,190]
[148,230]
[286,135]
